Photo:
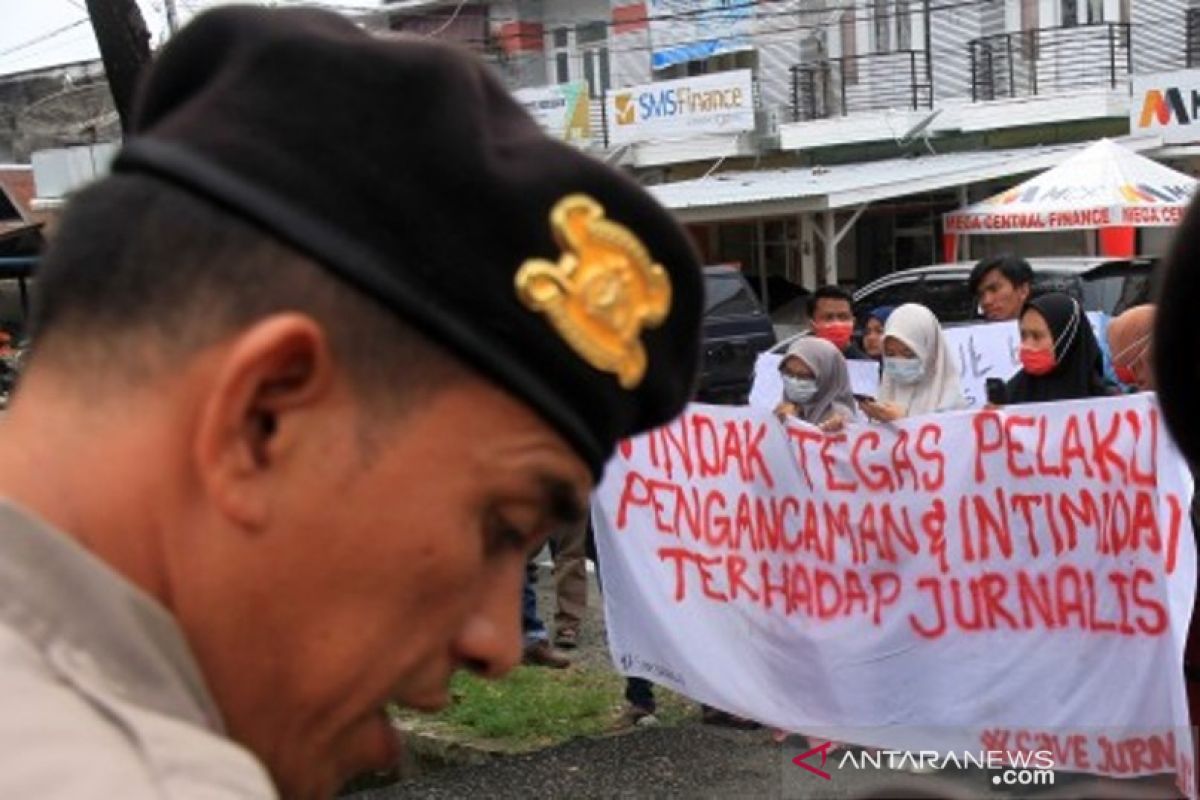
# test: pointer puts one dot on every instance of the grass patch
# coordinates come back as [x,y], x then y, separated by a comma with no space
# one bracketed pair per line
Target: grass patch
[535,707]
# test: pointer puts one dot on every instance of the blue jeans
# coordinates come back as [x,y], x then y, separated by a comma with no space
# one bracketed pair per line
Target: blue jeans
[532,626]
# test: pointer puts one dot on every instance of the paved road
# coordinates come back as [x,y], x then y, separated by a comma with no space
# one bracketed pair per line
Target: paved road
[700,761]
[697,761]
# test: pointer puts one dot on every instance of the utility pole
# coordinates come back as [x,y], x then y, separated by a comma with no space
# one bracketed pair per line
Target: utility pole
[124,47]
[172,17]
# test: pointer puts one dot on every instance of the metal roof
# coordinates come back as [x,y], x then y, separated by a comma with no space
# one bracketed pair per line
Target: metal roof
[783,192]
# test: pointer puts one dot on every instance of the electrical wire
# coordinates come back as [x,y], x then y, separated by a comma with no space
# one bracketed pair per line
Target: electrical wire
[737,14]
[800,28]
[458,10]
[731,13]
[43,37]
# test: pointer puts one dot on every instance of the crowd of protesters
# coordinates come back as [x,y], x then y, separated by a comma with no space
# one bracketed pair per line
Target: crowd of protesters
[1059,355]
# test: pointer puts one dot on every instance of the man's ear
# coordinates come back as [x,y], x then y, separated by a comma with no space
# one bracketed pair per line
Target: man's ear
[275,368]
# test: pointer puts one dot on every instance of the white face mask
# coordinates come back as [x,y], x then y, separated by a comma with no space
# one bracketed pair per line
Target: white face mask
[904,370]
[799,390]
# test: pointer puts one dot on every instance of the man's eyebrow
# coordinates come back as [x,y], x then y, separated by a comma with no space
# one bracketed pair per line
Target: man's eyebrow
[563,503]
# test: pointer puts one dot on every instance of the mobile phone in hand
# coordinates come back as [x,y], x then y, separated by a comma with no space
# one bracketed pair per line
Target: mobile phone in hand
[997,393]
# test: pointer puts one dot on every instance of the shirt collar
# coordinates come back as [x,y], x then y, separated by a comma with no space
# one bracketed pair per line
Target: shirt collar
[53,590]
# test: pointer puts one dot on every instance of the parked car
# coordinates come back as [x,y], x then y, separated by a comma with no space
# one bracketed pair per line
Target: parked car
[1103,284]
[1099,284]
[736,330]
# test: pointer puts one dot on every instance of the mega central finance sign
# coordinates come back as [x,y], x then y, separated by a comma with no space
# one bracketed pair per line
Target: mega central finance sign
[1167,104]
[718,103]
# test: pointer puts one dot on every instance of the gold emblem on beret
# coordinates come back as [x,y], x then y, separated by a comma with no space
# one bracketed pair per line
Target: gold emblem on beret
[601,293]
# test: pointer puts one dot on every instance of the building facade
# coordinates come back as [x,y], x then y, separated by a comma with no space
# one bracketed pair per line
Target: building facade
[822,142]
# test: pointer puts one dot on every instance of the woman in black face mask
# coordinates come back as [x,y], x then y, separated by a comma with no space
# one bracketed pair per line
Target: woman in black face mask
[1060,358]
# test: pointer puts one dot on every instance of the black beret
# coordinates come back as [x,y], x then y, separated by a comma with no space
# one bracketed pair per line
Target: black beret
[406,168]
[1176,339]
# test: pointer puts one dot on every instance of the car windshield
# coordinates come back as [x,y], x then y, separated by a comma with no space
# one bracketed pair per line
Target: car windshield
[1115,293]
[725,295]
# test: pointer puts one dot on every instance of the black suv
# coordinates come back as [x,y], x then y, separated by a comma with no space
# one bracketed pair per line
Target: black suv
[736,330]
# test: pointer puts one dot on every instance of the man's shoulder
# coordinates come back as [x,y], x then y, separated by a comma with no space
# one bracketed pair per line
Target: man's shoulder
[52,743]
[57,739]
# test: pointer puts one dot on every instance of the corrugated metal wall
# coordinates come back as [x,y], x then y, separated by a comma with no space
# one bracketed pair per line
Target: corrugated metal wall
[778,35]
[1159,39]
[991,18]
[630,53]
[952,25]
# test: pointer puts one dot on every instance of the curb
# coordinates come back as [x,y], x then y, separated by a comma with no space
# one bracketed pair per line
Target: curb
[426,751]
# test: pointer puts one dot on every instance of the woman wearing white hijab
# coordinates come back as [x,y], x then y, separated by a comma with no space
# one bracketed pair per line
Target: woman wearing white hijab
[920,374]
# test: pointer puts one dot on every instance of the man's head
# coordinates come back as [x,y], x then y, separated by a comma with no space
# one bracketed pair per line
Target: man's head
[349,372]
[1001,285]
[317,558]
[831,309]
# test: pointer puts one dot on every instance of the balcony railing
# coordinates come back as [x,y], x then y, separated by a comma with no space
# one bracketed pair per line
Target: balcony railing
[1192,45]
[1050,60]
[871,82]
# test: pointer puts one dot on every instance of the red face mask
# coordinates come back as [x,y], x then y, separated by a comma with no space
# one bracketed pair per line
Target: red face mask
[838,333]
[1125,374]
[1037,362]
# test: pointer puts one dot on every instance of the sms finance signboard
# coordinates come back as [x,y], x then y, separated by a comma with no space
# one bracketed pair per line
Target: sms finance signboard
[719,103]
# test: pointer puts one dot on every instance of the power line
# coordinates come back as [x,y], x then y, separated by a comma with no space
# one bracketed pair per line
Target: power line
[799,27]
[449,22]
[46,48]
[774,32]
[43,37]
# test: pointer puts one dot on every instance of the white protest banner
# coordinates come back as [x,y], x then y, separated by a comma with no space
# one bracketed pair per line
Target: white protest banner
[722,102]
[693,30]
[561,110]
[965,581]
[986,350]
[767,390]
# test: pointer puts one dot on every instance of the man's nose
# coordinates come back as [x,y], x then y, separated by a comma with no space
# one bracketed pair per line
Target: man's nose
[490,642]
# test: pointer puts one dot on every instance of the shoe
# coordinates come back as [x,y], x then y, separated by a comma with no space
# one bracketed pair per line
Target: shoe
[715,716]
[541,654]
[638,716]
[566,639]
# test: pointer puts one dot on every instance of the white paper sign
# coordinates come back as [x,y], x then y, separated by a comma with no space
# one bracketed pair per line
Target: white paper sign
[722,102]
[961,581]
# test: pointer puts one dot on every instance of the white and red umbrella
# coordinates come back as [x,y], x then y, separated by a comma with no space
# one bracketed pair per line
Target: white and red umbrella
[1103,186]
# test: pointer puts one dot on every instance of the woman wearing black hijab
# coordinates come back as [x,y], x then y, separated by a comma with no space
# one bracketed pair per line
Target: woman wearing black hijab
[1060,357]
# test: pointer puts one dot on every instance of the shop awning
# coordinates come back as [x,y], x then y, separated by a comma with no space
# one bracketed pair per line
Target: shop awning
[1104,186]
[785,192]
